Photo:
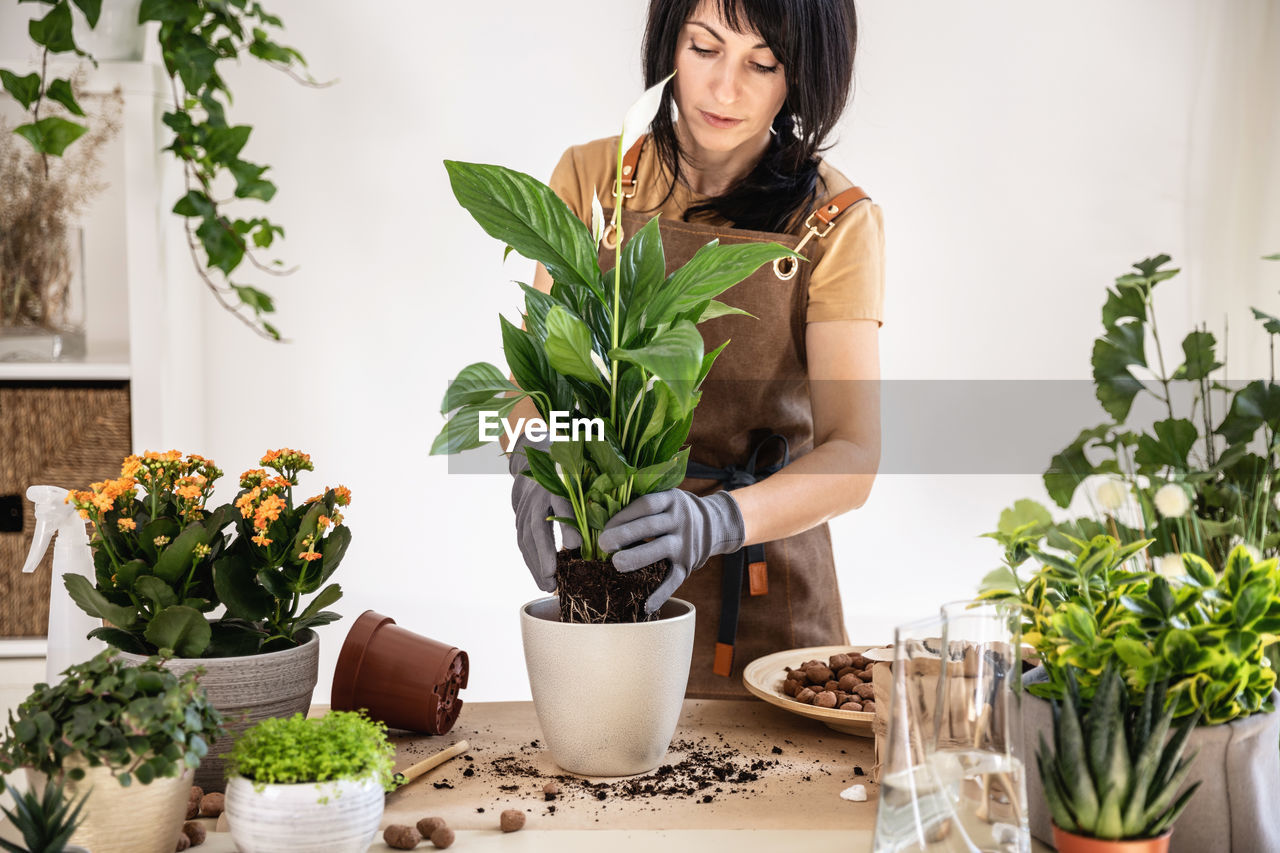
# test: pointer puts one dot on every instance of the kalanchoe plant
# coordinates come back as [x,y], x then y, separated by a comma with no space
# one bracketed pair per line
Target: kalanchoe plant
[1111,775]
[1205,634]
[143,722]
[1202,476]
[282,552]
[621,345]
[47,819]
[154,545]
[339,745]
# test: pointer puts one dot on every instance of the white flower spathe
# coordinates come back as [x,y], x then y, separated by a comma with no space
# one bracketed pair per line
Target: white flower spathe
[600,365]
[1276,501]
[1112,494]
[1171,500]
[597,218]
[1171,566]
[642,112]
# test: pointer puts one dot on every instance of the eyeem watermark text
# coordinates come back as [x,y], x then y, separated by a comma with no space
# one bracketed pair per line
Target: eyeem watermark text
[561,428]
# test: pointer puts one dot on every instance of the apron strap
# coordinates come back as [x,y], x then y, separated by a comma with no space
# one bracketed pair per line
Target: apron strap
[623,190]
[826,215]
[748,562]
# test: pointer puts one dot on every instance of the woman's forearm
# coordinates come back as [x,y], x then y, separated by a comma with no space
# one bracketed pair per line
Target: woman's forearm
[835,478]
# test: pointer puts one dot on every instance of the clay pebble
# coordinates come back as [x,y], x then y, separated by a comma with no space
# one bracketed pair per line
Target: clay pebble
[401,837]
[511,820]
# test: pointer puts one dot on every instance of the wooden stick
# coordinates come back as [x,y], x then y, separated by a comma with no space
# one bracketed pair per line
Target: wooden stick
[431,762]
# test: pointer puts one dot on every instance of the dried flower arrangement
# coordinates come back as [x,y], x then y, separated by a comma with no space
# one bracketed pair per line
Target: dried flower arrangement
[39,206]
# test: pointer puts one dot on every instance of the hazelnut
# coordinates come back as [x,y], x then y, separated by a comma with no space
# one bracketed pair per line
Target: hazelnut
[840,661]
[831,686]
[428,825]
[511,820]
[401,837]
[869,707]
[818,674]
[845,671]
[806,696]
[212,805]
[825,699]
[442,837]
[790,687]
[182,844]
[194,832]
[551,790]
[193,809]
[859,661]
[841,698]
[848,682]
[850,706]
[866,691]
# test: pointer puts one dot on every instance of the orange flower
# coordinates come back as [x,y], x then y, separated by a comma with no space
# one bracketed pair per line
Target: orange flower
[190,492]
[252,478]
[246,501]
[342,495]
[309,556]
[268,511]
[324,521]
[262,540]
[126,524]
[131,466]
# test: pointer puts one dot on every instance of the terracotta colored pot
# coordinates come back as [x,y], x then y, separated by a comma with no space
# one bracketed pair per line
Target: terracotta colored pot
[248,689]
[1069,842]
[404,679]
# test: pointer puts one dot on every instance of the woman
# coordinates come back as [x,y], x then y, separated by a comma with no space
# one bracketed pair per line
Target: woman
[759,84]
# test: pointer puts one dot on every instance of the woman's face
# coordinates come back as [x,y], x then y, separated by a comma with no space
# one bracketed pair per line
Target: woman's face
[728,85]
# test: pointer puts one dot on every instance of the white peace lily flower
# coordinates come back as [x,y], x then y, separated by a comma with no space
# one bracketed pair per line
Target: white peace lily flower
[600,364]
[1112,494]
[1171,566]
[1276,501]
[560,473]
[648,386]
[1253,552]
[597,217]
[642,112]
[1171,501]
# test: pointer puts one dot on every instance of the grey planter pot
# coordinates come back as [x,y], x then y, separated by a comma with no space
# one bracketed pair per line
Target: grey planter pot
[608,696]
[249,689]
[1238,764]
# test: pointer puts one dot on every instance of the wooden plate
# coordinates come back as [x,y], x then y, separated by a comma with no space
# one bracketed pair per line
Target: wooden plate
[764,677]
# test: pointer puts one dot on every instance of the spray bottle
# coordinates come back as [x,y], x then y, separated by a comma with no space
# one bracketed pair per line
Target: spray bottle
[68,624]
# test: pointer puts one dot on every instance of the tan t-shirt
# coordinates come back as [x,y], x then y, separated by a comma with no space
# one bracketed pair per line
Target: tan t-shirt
[847,279]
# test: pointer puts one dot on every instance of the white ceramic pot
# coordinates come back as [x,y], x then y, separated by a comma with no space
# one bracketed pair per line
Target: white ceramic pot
[324,817]
[608,697]
[136,819]
[247,690]
[117,36]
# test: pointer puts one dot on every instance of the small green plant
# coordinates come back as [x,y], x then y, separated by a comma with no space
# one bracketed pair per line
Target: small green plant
[1111,774]
[46,820]
[339,745]
[143,722]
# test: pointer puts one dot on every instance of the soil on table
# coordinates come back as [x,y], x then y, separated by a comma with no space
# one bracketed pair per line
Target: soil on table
[594,591]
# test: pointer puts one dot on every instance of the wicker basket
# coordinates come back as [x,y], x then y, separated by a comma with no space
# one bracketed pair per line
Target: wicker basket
[61,434]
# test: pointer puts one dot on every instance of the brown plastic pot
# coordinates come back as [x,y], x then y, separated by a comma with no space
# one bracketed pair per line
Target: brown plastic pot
[404,679]
[1069,842]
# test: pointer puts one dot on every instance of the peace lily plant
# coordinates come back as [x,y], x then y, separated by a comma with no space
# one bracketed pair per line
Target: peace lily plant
[620,345]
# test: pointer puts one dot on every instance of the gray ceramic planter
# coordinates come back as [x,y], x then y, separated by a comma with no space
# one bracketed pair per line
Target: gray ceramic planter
[608,697]
[248,689]
[1238,765]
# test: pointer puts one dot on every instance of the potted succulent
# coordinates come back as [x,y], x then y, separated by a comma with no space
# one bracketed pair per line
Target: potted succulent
[1111,780]
[617,350]
[46,820]
[1203,633]
[194,37]
[125,737]
[163,561]
[309,784]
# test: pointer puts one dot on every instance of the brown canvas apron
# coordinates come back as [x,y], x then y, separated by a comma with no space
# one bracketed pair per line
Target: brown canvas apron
[757,390]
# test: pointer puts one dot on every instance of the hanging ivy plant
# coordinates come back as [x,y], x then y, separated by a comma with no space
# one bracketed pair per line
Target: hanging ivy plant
[194,37]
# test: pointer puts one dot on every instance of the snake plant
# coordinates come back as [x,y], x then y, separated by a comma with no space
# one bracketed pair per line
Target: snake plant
[46,820]
[1112,776]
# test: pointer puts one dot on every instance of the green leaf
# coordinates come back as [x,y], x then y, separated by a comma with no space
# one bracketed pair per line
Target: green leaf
[1271,324]
[175,560]
[235,581]
[661,476]
[95,604]
[1134,653]
[712,270]
[1025,515]
[183,629]
[1252,406]
[53,30]
[543,472]
[525,214]
[1174,440]
[335,548]
[193,59]
[1121,303]
[163,10]
[249,183]
[1197,351]
[643,272]
[525,359]
[323,599]
[1001,579]
[716,309]
[92,10]
[157,591]
[1113,353]
[675,357]
[223,144]
[194,203]
[51,135]
[1252,601]
[568,346]
[223,247]
[25,90]
[60,91]
[1070,467]
[476,383]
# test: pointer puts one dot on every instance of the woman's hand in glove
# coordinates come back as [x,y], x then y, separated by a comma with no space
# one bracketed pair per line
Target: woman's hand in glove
[532,505]
[682,527]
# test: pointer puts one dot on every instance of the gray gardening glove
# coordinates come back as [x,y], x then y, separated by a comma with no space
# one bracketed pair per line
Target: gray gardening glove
[532,505]
[684,528]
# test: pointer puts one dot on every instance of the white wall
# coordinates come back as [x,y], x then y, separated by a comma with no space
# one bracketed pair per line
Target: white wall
[1024,154]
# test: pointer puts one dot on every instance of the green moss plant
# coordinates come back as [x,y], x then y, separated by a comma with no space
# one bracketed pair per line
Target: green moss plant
[341,745]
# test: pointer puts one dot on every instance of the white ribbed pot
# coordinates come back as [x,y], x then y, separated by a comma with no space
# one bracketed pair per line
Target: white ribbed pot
[118,36]
[608,696]
[247,690]
[307,817]
[137,819]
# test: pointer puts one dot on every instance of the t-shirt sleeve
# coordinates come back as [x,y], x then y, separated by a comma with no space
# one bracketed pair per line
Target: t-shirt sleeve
[566,181]
[847,282]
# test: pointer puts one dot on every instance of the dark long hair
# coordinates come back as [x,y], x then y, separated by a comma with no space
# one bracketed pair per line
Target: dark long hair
[815,40]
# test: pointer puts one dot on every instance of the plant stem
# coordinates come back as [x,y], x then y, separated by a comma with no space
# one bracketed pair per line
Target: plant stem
[617,285]
[1155,334]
